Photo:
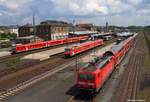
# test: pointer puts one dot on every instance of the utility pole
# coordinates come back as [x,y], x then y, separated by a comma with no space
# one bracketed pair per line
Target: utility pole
[106,26]
[34,29]
[73,27]
[77,55]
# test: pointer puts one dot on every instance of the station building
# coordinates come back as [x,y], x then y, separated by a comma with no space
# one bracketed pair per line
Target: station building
[52,30]
[47,30]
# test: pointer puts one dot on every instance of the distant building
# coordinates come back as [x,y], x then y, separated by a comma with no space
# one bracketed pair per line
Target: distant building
[88,26]
[26,30]
[53,29]
[13,29]
[4,29]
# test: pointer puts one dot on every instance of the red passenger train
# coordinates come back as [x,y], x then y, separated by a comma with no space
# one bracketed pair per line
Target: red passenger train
[38,45]
[82,47]
[95,73]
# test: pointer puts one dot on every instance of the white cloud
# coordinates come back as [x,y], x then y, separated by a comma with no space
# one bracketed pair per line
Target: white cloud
[20,11]
[134,2]
[96,6]
[13,4]
[118,6]
[83,7]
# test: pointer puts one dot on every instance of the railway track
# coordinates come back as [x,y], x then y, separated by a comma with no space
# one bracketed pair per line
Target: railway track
[46,67]
[9,57]
[87,99]
[147,38]
[24,65]
[33,80]
[128,85]
[14,63]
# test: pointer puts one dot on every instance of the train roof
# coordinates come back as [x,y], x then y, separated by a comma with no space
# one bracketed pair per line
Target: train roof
[81,44]
[117,48]
[102,61]
[92,66]
[72,45]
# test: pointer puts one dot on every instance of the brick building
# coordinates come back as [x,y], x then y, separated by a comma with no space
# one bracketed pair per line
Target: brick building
[53,29]
[26,30]
[47,30]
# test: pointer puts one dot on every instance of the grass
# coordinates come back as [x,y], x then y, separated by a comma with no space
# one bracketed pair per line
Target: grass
[13,61]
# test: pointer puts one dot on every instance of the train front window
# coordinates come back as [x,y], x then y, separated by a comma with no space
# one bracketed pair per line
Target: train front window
[86,76]
[67,49]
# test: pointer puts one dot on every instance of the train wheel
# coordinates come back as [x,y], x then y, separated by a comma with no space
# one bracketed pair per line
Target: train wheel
[12,53]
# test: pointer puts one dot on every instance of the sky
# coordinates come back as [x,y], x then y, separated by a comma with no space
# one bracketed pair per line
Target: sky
[116,12]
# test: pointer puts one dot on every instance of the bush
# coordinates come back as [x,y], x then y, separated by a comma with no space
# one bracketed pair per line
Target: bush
[10,36]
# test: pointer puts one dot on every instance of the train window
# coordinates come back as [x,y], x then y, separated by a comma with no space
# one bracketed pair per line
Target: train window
[86,76]
[104,64]
[67,50]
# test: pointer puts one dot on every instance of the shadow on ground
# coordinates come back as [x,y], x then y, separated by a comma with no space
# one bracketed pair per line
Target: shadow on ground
[81,95]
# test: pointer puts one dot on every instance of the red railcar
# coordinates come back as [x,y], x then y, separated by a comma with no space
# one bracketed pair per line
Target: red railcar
[26,47]
[82,47]
[38,45]
[94,74]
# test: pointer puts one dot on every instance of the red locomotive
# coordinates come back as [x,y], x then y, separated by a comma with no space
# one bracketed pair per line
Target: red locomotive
[82,47]
[95,73]
[38,45]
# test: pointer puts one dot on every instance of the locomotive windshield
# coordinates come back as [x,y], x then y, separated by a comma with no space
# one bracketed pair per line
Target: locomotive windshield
[67,49]
[86,76]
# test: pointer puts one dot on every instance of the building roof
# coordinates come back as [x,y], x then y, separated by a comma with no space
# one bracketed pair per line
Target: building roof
[26,25]
[103,34]
[55,23]
[27,37]
[98,62]
[13,27]
[82,32]
[85,25]
[119,46]
[124,34]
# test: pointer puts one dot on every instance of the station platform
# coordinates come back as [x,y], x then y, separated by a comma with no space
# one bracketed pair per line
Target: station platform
[44,54]
[4,53]
[47,54]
